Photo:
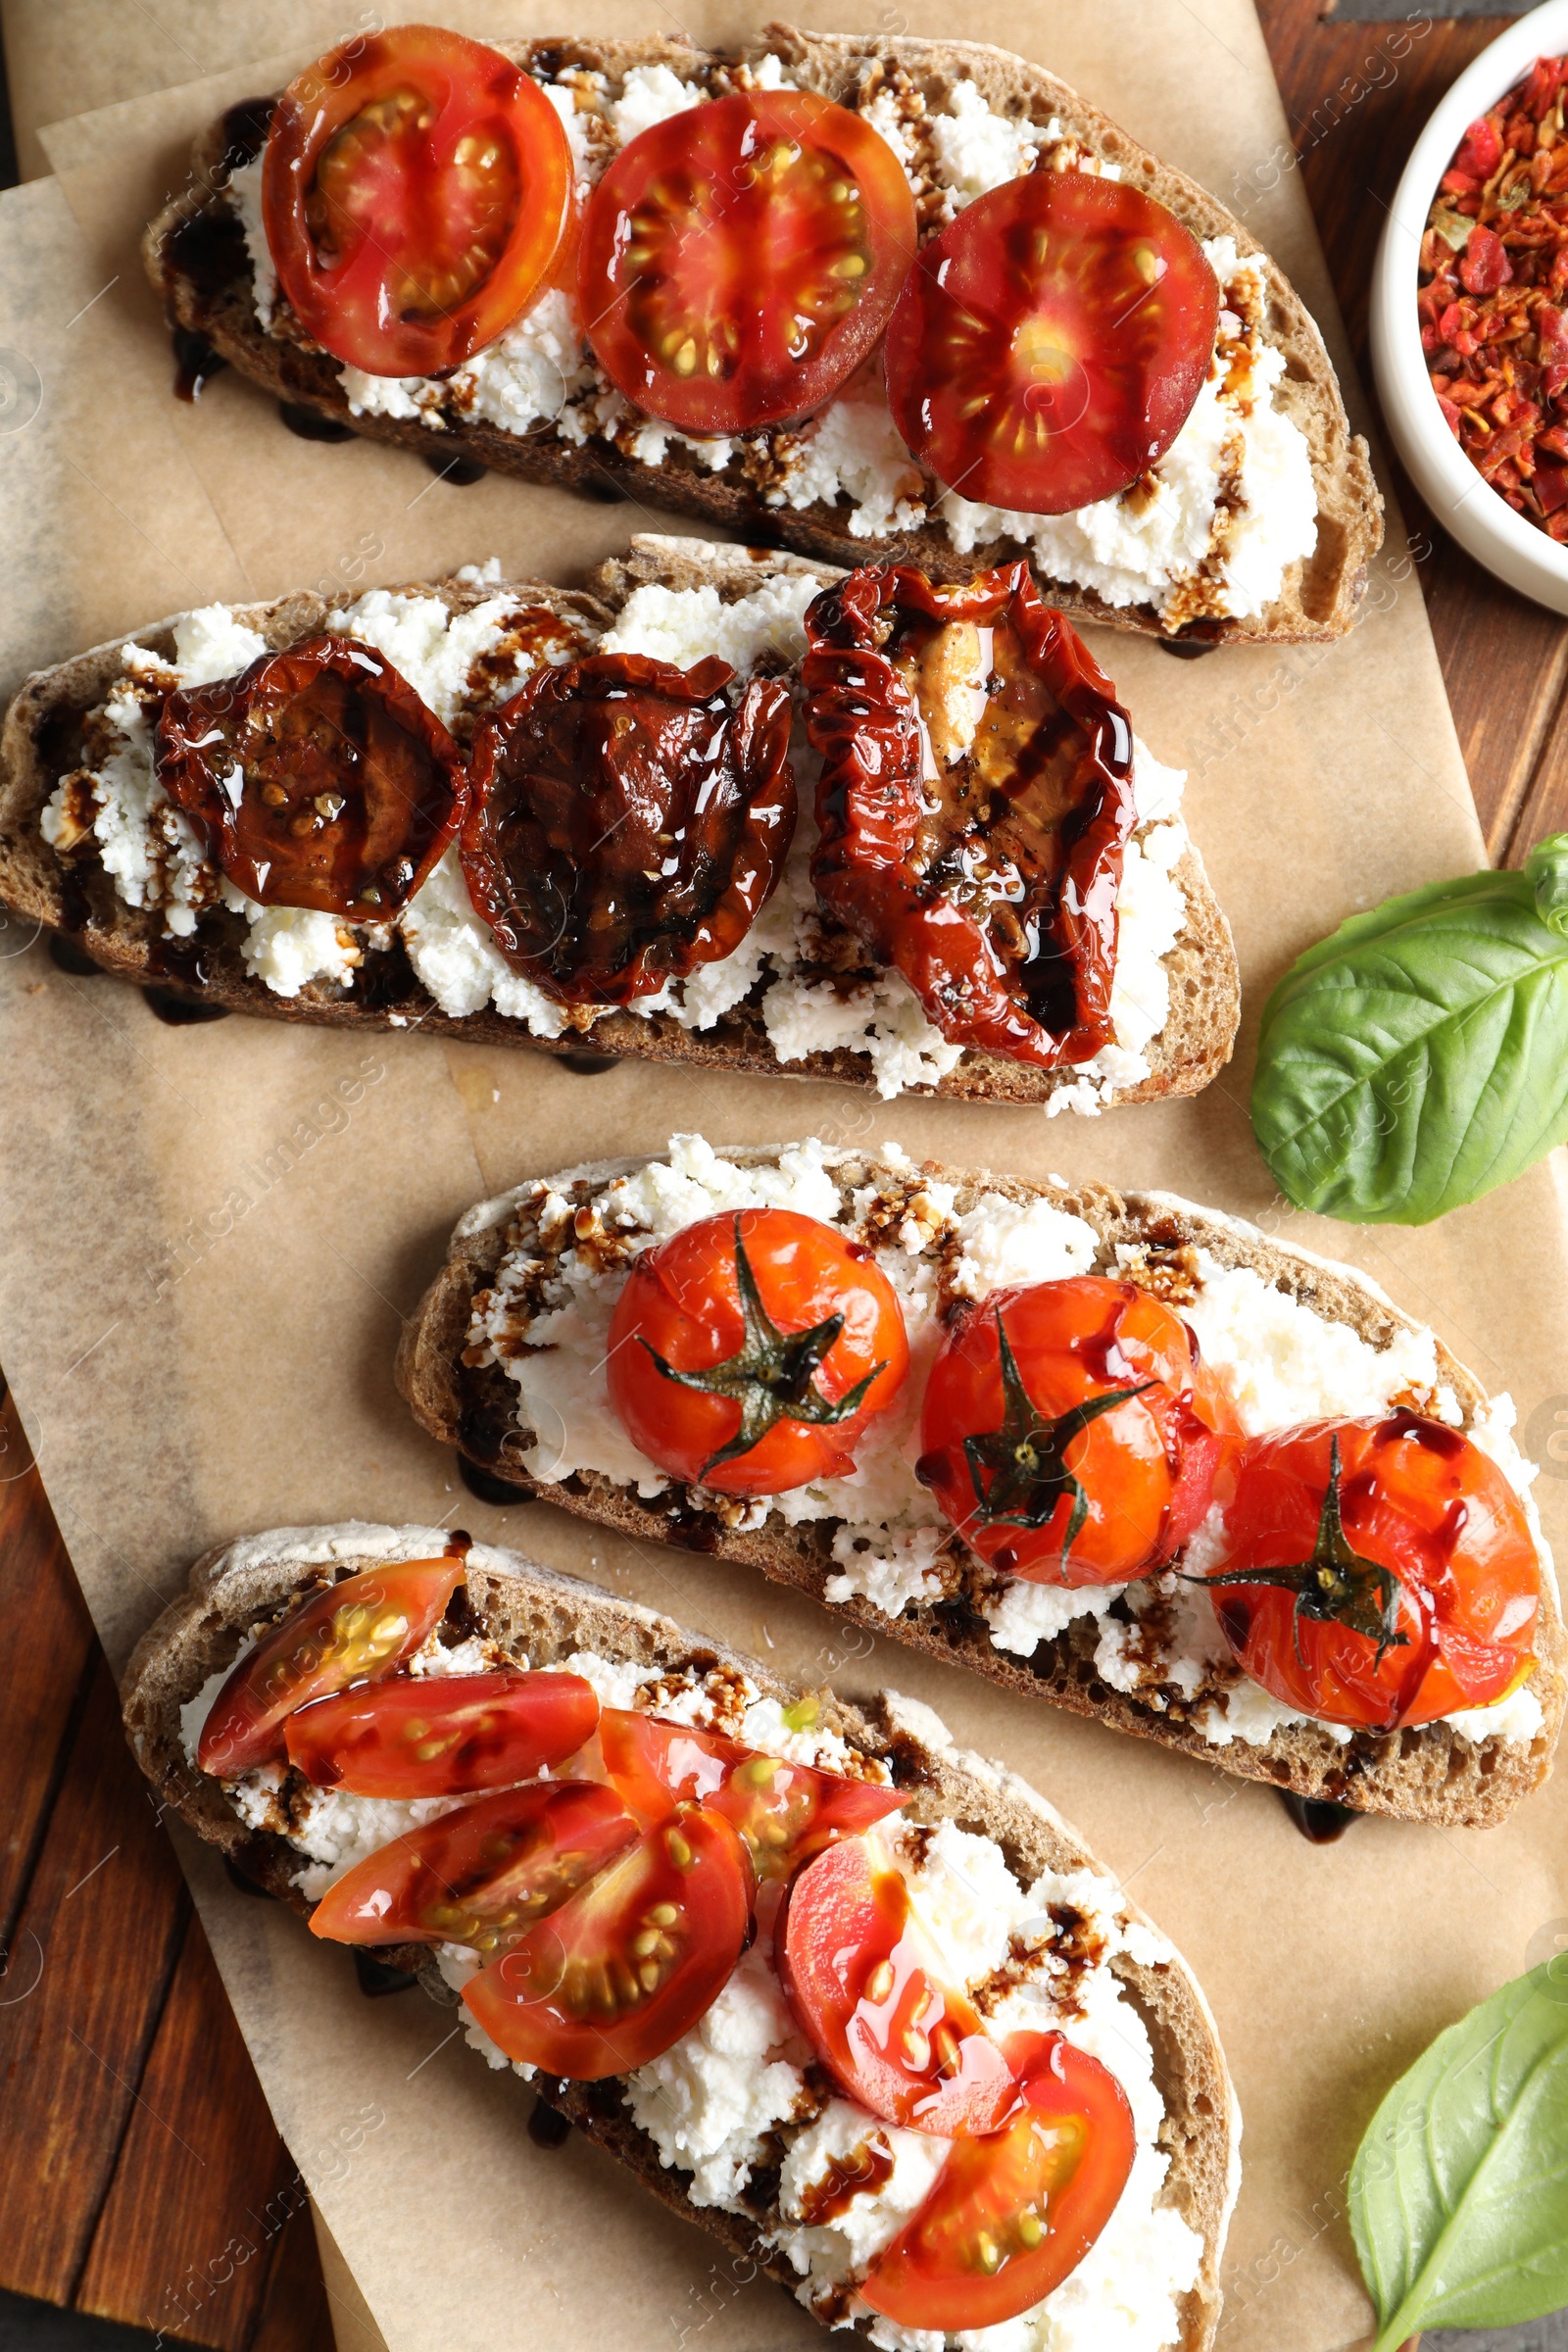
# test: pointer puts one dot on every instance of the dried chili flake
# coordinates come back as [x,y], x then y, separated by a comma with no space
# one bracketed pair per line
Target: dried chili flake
[1494,279]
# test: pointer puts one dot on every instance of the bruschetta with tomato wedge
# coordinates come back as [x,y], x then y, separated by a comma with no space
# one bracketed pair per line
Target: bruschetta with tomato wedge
[1115,1449]
[723,808]
[924,2075]
[869,297]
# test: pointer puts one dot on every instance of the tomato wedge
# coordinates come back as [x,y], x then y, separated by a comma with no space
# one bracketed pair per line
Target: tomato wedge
[318,777]
[866,1987]
[1048,345]
[1012,2213]
[784,1812]
[442,1736]
[629,1963]
[416,188]
[739,261]
[481,1875]
[351,1633]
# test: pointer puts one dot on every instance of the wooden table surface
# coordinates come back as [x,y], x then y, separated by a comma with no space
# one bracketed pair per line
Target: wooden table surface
[140,2173]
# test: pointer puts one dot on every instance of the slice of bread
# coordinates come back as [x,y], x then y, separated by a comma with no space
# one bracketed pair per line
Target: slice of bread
[538,1615]
[205,278]
[1432,1773]
[42,742]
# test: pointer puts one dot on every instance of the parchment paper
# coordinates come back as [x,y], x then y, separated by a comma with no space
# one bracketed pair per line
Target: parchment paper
[213,1232]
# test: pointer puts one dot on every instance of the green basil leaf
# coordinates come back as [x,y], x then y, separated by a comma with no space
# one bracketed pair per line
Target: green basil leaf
[1419,1056]
[1459,2191]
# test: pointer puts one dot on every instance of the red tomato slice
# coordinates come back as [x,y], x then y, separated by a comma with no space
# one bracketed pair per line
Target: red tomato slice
[483,1874]
[749,1353]
[351,1633]
[629,1963]
[1012,2213]
[1377,1572]
[739,261]
[442,1735]
[866,1988]
[784,1812]
[1048,345]
[416,189]
[351,787]
[1083,1454]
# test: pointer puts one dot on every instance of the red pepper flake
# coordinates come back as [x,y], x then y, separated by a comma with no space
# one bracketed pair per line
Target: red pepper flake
[1494,296]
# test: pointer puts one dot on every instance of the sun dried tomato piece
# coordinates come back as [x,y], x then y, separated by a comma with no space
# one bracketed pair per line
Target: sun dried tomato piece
[975,802]
[627,821]
[1480,151]
[1486,266]
[318,777]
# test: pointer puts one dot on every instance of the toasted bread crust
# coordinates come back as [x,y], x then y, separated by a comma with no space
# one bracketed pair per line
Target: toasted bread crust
[541,1615]
[1429,1774]
[38,746]
[1318,598]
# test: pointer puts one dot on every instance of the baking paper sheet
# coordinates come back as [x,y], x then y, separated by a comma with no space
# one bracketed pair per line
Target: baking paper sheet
[213,1232]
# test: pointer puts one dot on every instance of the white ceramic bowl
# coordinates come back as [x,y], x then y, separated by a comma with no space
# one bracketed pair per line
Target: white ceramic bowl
[1467,506]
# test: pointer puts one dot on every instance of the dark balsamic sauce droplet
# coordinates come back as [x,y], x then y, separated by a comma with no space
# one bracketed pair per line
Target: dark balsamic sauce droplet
[602,491]
[244,1880]
[488,1486]
[588,1065]
[376,1979]
[312,424]
[1320,1821]
[548,2128]
[460,472]
[180,1012]
[196,362]
[66,956]
[1187,649]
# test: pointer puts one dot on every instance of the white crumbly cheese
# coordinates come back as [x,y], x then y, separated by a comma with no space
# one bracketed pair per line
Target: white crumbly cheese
[836,2253]
[852,450]
[454,954]
[1149,543]
[651,94]
[524,378]
[1282,1363]
[245,194]
[737,2074]
[688,626]
[977,150]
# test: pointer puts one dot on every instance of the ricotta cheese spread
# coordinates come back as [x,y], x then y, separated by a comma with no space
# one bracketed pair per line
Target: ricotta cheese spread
[1211,529]
[544,1321]
[464,662]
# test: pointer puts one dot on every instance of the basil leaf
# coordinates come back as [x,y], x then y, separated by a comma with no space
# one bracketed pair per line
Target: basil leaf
[1419,1056]
[1459,2191]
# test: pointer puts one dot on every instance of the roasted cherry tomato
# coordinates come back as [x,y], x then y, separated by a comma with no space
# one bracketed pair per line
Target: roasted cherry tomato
[417,189]
[1012,2213]
[318,777]
[627,823]
[1049,343]
[629,1963]
[740,259]
[442,1735]
[483,1874]
[351,1633]
[749,1353]
[975,802]
[1068,1434]
[784,1812]
[866,1987]
[1376,1572]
